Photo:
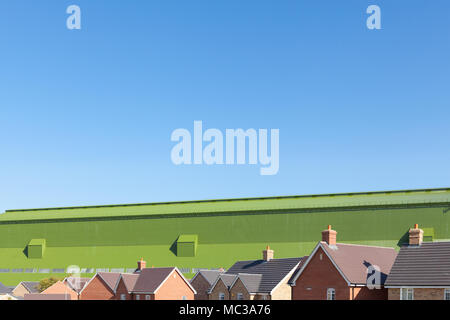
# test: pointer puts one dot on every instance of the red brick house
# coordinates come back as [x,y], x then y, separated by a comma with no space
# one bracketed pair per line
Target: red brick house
[162,284]
[125,286]
[336,271]
[100,287]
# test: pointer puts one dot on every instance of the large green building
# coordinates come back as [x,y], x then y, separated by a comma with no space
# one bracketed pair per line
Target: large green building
[38,243]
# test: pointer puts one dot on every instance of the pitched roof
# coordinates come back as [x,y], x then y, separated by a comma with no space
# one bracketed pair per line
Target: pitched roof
[4,289]
[273,271]
[31,286]
[151,278]
[58,286]
[130,280]
[227,279]
[110,278]
[297,271]
[77,284]
[210,275]
[252,282]
[353,260]
[303,202]
[424,265]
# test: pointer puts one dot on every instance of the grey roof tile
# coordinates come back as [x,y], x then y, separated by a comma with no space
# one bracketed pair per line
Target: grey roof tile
[31,286]
[272,271]
[252,282]
[424,265]
[210,275]
[4,289]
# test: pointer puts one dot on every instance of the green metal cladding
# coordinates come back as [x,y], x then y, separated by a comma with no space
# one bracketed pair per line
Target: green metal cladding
[213,233]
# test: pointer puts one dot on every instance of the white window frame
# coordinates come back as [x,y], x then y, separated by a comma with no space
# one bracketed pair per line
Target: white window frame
[407,292]
[447,294]
[138,297]
[240,296]
[331,294]
[147,297]
[221,296]
[123,296]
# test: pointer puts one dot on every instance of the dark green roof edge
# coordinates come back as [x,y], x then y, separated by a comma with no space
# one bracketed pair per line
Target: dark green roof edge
[235,199]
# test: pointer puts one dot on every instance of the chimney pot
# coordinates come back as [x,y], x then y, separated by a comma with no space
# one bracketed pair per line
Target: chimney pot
[329,236]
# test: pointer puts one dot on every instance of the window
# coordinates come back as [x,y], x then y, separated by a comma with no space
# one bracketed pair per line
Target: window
[138,297]
[184,298]
[331,294]
[406,294]
[447,294]
[240,296]
[147,297]
[221,296]
[123,296]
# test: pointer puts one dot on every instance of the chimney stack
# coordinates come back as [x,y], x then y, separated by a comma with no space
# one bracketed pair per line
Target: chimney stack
[415,236]
[329,236]
[141,264]
[267,254]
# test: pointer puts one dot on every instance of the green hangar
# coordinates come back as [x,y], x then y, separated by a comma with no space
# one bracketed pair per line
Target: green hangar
[39,243]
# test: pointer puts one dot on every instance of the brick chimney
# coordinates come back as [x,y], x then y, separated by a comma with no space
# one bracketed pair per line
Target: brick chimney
[415,236]
[267,254]
[329,236]
[141,264]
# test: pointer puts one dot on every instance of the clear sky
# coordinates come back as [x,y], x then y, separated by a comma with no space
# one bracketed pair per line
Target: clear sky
[86,115]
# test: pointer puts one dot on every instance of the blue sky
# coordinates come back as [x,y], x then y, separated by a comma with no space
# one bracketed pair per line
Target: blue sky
[86,115]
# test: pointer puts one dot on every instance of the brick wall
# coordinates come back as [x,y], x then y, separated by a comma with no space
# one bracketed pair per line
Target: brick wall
[319,275]
[97,290]
[239,287]
[122,289]
[364,293]
[419,294]
[201,286]
[174,288]
[220,287]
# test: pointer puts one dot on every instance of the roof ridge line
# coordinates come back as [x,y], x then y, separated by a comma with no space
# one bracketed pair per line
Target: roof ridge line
[235,199]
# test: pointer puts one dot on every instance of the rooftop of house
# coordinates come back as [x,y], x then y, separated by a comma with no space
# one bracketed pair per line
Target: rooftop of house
[272,272]
[130,280]
[110,278]
[252,282]
[338,200]
[4,289]
[354,260]
[76,283]
[31,286]
[151,278]
[209,275]
[427,264]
